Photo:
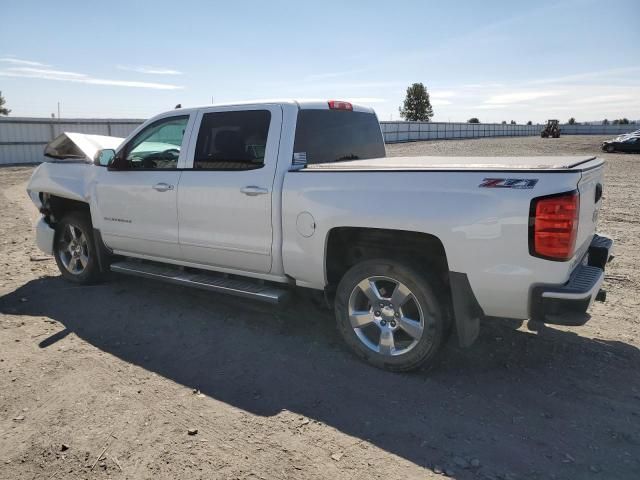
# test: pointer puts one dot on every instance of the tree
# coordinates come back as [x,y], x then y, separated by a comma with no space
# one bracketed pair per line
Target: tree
[605,122]
[504,122]
[529,123]
[513,122]
[473,120]
[621,121]
[417,106]
[3,110]
[572,121]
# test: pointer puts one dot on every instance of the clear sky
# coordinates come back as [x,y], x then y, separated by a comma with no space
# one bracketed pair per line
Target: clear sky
[495,60]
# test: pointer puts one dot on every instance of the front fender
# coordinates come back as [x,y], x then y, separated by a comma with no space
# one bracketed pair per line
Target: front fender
[68,180]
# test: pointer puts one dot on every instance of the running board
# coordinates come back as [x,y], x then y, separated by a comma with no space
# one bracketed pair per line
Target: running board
[212,281]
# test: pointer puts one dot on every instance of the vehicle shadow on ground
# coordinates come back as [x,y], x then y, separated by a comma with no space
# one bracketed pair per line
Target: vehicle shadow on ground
[524,405]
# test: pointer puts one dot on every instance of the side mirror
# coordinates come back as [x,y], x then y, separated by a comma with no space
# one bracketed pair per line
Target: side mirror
[105,157]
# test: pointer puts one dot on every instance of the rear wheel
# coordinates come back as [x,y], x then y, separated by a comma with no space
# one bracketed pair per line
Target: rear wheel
[74,249]
[390,315]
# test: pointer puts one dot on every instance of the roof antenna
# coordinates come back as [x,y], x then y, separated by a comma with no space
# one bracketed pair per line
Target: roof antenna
[178,106]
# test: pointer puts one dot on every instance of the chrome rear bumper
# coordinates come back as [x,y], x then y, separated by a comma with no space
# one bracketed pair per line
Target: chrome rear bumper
[568,304]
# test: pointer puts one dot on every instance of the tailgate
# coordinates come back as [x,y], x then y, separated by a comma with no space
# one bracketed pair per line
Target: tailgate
[591,187]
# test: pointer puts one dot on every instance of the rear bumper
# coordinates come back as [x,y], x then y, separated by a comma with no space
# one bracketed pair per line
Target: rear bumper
[568,304]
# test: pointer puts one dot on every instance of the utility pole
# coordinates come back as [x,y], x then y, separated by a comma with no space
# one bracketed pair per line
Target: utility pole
[58,110]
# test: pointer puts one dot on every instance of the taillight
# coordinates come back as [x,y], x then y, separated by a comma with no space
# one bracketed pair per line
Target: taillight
[553,226]
[340,105]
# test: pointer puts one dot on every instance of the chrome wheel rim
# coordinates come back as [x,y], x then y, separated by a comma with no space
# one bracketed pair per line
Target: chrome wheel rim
[73,250]
[386,316]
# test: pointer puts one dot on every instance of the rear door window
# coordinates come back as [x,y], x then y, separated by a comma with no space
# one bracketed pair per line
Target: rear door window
[232,140]
[325,136]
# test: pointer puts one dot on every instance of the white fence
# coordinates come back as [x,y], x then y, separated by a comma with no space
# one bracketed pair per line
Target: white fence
[22,140]
[612,130]
[395,132]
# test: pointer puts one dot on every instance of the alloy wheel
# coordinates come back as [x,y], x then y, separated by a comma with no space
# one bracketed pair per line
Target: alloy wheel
[73,249]
[386,316]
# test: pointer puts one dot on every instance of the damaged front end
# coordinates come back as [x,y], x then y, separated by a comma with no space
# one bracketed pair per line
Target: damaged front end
[63,182]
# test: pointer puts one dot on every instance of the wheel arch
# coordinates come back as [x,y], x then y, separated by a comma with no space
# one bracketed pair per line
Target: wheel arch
[347,246]
[55,207]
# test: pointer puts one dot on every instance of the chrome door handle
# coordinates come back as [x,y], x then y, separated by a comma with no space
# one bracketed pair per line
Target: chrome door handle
[162,187]
[252,190]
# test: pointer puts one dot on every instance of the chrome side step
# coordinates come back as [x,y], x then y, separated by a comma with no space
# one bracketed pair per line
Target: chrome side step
[215,282]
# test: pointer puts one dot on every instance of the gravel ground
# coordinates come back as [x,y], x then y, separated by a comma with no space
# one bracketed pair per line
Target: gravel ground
[106,381]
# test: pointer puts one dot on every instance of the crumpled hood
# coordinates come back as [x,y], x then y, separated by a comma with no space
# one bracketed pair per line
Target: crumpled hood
[69,146]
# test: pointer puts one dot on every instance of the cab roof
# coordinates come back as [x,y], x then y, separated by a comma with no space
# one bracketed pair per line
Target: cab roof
[303,104]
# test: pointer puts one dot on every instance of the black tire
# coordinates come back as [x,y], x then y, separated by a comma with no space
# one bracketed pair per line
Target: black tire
[91,271]
[426,292]
[543,135]
[609,149]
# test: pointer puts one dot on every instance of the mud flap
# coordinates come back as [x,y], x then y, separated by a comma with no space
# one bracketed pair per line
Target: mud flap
[104,254]
[466,309]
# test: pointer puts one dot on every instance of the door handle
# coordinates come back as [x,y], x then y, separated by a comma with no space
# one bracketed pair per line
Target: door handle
[252,190]
[162,187]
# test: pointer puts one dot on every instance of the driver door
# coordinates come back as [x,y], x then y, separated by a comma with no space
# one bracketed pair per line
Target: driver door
[136,195]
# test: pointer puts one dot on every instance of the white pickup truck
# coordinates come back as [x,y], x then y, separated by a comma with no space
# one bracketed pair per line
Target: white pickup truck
[256,199]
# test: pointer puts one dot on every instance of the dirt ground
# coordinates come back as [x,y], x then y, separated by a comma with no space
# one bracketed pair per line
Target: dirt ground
[105,381]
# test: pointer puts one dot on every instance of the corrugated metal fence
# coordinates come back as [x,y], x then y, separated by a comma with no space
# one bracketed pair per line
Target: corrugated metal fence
[395,132]
[22,140]
[598,129]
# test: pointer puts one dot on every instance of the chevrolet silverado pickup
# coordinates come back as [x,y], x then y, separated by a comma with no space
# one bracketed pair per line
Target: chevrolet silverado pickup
[258,199]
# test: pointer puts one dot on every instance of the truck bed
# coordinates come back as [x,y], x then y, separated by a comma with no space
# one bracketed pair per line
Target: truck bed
[557,163]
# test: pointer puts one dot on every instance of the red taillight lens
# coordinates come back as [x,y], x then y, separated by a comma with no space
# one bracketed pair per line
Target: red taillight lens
[340,105]
[554,226]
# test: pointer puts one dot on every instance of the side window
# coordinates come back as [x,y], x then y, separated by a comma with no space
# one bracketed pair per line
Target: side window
[232,140]
[157,146]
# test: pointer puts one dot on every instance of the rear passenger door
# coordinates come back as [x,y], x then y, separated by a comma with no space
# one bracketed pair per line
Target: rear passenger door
[224,195]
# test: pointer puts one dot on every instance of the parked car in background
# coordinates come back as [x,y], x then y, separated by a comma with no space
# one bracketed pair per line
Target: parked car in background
[624,143]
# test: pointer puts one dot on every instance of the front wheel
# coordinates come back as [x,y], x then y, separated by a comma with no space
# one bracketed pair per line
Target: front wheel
[390,315]
[74,249]
[610,149]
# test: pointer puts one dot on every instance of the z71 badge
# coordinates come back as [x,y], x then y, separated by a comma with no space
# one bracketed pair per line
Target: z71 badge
[520,183]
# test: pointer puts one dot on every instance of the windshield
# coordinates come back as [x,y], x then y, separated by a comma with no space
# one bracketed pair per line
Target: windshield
[325,136]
